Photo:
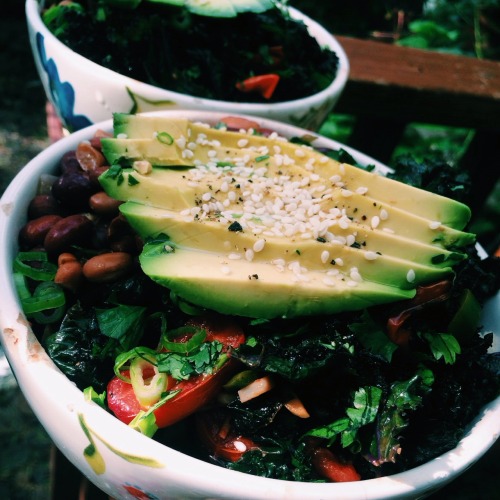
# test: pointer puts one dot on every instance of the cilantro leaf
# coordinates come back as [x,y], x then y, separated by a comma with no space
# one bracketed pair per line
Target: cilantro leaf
[123,323]
[366,401]
[373,338]
[404,396]
[443,345]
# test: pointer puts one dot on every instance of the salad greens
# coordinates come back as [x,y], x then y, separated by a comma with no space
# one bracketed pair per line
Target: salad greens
[233,51]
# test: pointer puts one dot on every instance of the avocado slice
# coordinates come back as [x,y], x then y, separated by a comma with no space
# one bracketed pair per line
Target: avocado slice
[220,8]
[321,236]
[149,222]
[258,290]
[167,142]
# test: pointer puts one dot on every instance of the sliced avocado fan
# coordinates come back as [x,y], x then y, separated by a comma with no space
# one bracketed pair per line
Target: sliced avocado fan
[257,226]
[220,8]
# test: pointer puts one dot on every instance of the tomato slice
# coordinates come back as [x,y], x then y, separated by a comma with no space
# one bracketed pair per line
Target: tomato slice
[330,467]
[193,393]
[426,295]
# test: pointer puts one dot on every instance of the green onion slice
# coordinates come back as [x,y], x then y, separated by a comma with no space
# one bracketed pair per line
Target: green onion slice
[47,296]
[43,271]
[148,383]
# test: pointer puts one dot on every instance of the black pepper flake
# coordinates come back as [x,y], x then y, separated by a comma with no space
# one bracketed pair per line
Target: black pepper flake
[253,276]
[297,251]
[356,245]
[363,217]
[321,239]
[235,227]
[332,262]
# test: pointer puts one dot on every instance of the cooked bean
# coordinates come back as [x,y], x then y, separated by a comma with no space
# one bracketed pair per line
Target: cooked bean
[43,204]
[94,176]
[103,204]
[72,230]
[69,163]
[65,257]
[89,157]
[73,190]
[34,231]
[69,275]
[107,267]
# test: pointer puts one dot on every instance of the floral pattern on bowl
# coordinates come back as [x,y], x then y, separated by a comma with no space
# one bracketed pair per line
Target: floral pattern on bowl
[62,93]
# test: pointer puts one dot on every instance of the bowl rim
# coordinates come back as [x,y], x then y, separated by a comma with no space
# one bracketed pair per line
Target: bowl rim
[424,478]
[33,7]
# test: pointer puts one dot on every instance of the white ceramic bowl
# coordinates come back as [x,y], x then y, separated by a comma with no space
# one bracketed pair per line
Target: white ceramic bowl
[84,92]
[126,460]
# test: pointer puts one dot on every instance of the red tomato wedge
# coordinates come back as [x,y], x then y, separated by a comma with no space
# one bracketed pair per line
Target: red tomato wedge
[330,467]
[193,393]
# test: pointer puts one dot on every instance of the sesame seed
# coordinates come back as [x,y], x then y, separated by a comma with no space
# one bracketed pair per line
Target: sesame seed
[362,190]
[384,215]
[325,256]
[234,256]
[434,224]
[369,255]
[225,270]
[258,246]
[329,281]
[249,254]
[375,221]
[355,276]
[410,276]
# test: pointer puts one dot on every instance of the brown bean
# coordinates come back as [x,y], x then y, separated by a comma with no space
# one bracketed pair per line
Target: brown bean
[96,140]
[43,204]
[66,257]
[107,267]
[89,157]
[94,176]
[35,231]
[69,275]
[103,204]
[72,230]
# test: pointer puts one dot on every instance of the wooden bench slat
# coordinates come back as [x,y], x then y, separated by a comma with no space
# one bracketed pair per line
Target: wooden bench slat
[418,85]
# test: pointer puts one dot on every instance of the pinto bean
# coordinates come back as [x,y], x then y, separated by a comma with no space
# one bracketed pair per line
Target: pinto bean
[107,267]
[34,231]
[69,273]
[89,157]
[72,230]
[102,204]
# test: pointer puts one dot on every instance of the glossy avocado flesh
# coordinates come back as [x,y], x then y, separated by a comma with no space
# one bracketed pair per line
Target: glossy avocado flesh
[242,218]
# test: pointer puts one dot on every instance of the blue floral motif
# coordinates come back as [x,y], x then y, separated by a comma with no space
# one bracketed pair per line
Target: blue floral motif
[62,93]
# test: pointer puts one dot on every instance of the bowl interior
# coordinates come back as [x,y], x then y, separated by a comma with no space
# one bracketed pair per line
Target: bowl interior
[120,458]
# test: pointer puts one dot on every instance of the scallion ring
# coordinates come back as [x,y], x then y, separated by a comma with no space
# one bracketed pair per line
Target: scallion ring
[43,271]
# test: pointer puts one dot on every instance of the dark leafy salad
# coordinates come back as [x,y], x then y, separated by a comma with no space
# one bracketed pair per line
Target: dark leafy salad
[240,51]
[341,397]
